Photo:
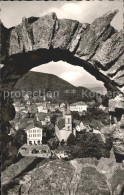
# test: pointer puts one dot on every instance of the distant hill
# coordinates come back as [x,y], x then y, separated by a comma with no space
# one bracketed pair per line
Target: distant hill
[34,81]
[98,89]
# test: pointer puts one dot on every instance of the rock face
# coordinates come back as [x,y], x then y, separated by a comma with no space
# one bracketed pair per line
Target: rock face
[97,47]
[79,176]
[12,171]
[118,139]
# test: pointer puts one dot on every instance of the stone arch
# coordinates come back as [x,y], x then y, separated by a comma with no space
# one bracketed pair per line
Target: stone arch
[96,47]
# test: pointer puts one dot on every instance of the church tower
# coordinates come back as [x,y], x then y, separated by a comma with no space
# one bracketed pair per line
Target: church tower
[44,100]
[68,119]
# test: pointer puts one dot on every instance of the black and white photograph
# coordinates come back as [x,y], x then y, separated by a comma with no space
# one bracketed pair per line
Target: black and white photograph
[62,97]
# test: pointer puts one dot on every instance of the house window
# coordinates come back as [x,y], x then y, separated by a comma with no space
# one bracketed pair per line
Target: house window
[68,127]
[68,120]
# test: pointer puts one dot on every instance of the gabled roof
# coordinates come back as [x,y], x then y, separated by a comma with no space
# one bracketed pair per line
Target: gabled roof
[78,103]
[21,125]
[41,116]
[61,123]
[30,126]
[60,149]
[76,122]
[38,124]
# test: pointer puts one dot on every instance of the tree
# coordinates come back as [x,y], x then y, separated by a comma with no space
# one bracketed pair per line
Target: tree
[53,143]
[71,139]
[53,119]
[75,115]
[62,142]
[20,137]
[88,145]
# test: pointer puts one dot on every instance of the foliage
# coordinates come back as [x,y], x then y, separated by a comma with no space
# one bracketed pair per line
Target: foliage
[71,139]
[89,145]
[53,119]
[94,114]
[53,143]
[62,142]
[20,137]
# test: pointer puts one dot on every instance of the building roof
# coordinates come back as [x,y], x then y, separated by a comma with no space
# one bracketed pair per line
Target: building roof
[61,123]
[78,103]
[41,116]
[30,126]
[38,124]
[76,122]
[60,149]
[21,125]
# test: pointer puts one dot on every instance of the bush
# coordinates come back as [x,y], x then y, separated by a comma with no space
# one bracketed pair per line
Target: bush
[20,138]
[89,145]
[53,143]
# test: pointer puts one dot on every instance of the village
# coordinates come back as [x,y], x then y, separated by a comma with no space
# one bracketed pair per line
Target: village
[48,126]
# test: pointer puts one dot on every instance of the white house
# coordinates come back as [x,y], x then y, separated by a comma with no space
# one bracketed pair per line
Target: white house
[79,107]
[17,109]
[34,135]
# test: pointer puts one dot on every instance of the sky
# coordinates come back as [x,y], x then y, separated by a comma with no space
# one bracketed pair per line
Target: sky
[84,11]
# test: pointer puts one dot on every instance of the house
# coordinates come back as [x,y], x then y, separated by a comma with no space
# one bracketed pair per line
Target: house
[41,151]
[26,97]
[43,118]
[61,152]
[52,108]
[17,106]
[79,126]
[20,125]
[22,108]
[42,107]
[17,109]
[62,105]
[34,135]
[79,107]
[12,131]
[63,126]
[28,102]
[101,107]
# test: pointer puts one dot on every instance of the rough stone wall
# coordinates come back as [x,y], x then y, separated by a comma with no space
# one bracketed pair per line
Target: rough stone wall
[97,47]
